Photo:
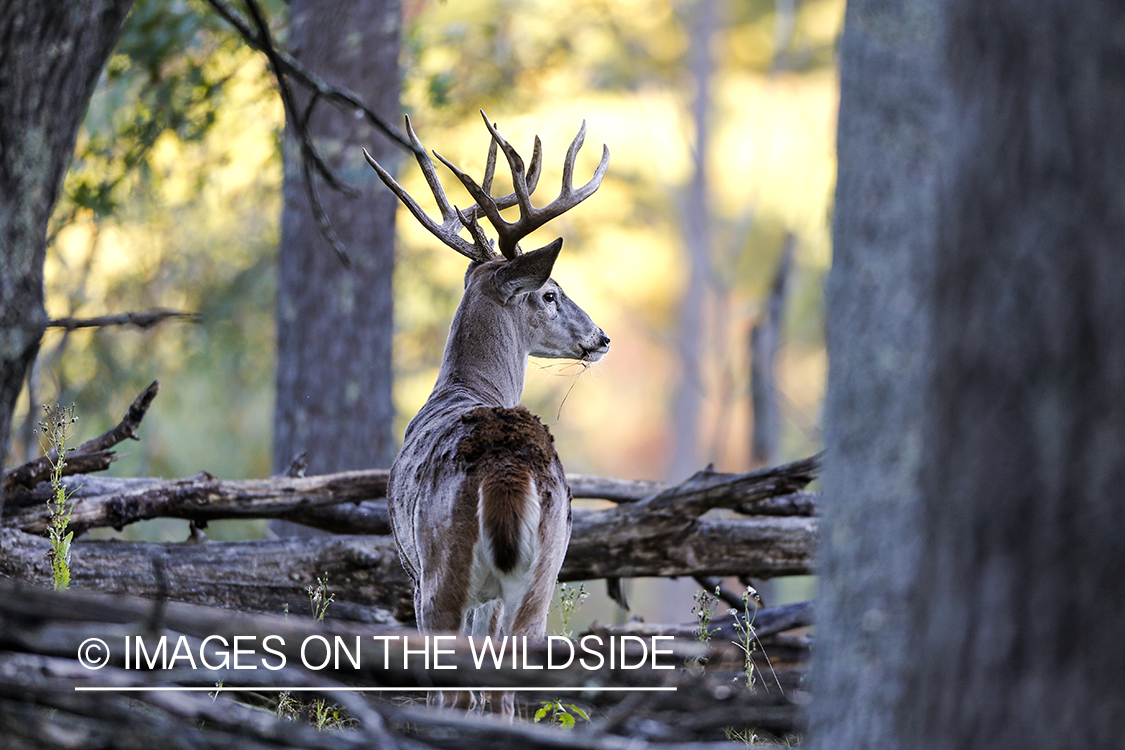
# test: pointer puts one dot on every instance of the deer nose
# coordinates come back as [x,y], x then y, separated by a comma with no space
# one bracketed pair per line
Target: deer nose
[604,340]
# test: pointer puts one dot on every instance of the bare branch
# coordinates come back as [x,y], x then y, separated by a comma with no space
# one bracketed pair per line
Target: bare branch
[93,455]
[352,502]
[142,320]
[202,498]
[767,621]
[339,96]
[310,155]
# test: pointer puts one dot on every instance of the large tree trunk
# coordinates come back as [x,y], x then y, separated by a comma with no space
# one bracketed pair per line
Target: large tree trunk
[334,323]
[1015,625]
[51,55]
[883,237]
[958,581]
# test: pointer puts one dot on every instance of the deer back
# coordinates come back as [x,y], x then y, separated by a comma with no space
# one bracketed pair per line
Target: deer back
[466,469]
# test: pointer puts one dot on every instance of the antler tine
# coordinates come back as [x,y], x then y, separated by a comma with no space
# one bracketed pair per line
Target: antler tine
[519,179]
[524,184]
[531,218]
[568,171]
[448,230]
[489,168]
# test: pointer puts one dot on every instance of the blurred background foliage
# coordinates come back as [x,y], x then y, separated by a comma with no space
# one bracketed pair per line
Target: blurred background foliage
[173,200]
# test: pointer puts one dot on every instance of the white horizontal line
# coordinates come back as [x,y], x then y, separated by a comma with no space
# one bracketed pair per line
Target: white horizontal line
[299,689]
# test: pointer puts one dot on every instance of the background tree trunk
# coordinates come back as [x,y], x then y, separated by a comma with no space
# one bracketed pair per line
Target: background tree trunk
[692,329]
[883,238]
[976,419]
[334,323]
[50,58]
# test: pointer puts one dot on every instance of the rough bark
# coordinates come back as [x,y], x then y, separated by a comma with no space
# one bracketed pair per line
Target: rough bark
[972,578]
[266,576]
[50,58]
[334,322]
[666,534]
[883,238]
[273,573]
[1019,594]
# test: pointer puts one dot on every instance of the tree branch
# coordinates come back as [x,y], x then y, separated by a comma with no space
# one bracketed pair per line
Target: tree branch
[140,320]
[310,155]
[340,96]
[350,502]
[93,455]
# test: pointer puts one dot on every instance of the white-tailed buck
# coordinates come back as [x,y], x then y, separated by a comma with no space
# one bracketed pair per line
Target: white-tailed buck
[479,502]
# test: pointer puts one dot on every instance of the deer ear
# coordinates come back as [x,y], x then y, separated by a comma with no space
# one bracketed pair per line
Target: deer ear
[527,272]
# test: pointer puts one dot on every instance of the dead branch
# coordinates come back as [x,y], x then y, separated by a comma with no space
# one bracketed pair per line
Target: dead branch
[767,622]
[256,33]
[140,320]
[355,497]
[116,503]
[667,532]
[339,96]
[93,455]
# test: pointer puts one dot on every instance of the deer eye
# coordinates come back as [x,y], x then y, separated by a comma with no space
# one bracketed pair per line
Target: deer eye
[549,297]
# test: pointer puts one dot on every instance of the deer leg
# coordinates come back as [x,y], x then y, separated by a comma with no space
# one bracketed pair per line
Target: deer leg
[440,603]
[527,614]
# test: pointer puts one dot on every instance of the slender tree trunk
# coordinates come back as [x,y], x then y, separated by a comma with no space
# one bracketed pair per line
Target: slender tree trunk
[334,323]
[691,336]
[883,239]
[51,55]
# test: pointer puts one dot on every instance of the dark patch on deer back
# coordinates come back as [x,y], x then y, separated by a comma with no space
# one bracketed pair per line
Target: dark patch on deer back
[503,451]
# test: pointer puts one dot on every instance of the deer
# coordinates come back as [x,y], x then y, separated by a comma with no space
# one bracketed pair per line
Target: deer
[479,501]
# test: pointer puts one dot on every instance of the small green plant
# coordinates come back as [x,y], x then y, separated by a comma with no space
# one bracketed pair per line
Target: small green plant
[326,716]
[321,714]
[55,429]
[563,715]
[319,598]
[748,641]
[570,601]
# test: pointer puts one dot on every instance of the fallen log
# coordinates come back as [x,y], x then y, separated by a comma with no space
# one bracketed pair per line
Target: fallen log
[108,502]
[371,584]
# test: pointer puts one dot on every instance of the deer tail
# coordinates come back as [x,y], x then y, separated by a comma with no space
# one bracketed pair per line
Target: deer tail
[509,515]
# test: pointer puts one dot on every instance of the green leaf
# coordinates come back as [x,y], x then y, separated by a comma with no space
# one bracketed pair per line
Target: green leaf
[579,711]
[566,721]
[542,713]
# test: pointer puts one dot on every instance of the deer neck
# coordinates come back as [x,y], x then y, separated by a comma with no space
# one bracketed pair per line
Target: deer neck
[485,355]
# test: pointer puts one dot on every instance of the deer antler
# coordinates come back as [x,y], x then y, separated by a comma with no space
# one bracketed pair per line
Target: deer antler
[524,184]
